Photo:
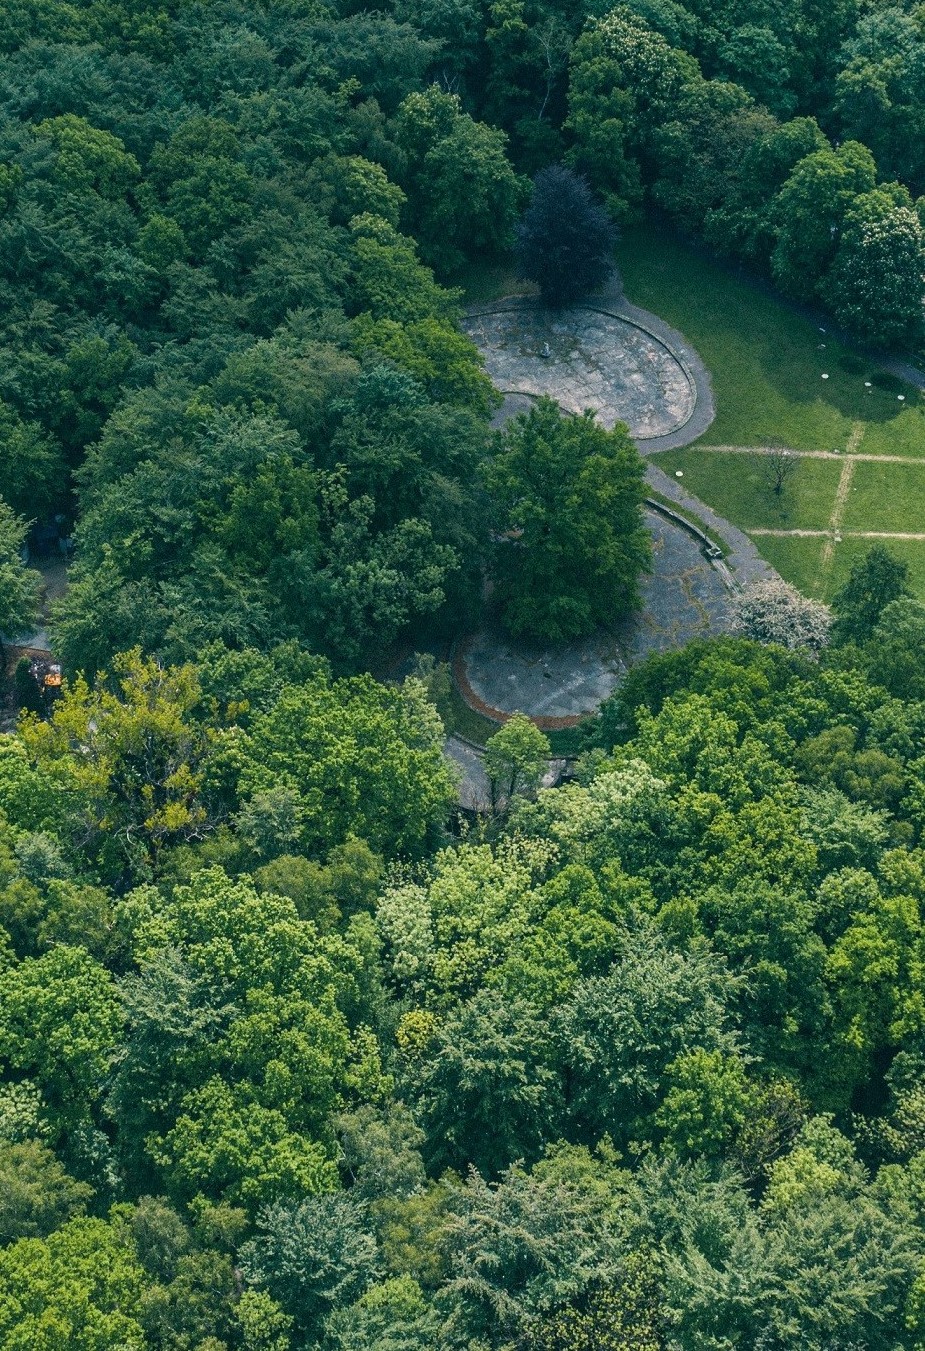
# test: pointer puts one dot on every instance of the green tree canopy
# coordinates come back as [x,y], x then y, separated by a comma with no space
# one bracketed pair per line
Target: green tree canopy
[80,1288]
[874,581]
[516,757]
[572,541]
[19,585]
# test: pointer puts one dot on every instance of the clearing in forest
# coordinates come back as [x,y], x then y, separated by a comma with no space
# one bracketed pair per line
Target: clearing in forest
[858,434]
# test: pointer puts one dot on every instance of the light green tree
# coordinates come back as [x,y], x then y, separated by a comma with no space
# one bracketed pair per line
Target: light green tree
[516,758]
[227,1145]
[877,277]
[60,1022]
[80,1289]
[131,752]
[809,213]
[36,1193]
[364,758]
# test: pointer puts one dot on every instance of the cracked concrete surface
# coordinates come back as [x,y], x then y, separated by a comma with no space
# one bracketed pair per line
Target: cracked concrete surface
[629,366]
[586,358]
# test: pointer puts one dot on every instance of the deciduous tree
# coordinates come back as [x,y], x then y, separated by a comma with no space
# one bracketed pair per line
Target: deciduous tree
[775,612]
[565,240]
[19,585]
[515,761]
[874,581]
[572,542]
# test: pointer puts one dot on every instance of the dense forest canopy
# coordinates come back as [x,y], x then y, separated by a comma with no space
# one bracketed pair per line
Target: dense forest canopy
[217,234]
[290,1058]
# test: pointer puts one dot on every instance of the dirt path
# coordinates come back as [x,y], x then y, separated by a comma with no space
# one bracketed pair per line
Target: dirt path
[814,454]
[850,457]
[857,436]
[838,511]
[742,554]
[845,534]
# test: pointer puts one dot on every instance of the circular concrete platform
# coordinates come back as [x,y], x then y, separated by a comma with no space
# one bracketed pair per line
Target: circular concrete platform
[499,675]
[587,358]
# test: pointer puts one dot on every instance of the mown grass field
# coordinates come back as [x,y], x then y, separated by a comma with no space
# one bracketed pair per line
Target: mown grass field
[737,487]
[766,363]
[800,561]
[880,496]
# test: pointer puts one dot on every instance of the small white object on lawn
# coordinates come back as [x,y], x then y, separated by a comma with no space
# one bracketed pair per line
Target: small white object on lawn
[679,473]
[825,377]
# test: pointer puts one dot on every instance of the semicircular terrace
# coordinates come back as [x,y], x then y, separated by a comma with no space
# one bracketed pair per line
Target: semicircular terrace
[586,357]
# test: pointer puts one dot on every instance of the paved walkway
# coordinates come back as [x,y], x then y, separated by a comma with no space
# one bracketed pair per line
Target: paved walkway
[685,596]
[53,572]
[704,408]
[742,555]
[466,760]
[586,357]
[838,512]
[611,295]
[474,788]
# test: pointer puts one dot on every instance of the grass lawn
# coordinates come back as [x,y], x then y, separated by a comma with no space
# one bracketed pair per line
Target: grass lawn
[490,279]
[886,497]
[736,486]
[800,561]
[797,559]
[766,362]
[901,435]
[468,722]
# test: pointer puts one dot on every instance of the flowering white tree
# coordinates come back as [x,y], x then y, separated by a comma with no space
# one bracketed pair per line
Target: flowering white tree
[775,612]
[876,282]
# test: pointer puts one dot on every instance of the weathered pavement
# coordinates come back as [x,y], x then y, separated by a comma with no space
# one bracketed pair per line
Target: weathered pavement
[511,333]
[742,556]
[588,357]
